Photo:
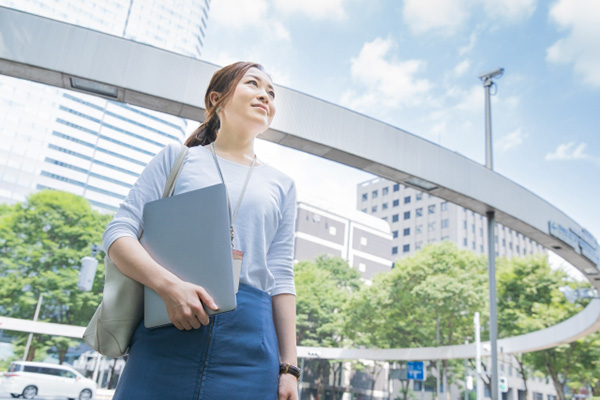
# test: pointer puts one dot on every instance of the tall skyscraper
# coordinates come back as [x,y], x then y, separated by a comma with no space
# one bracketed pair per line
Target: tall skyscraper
[88,145]
[417,218]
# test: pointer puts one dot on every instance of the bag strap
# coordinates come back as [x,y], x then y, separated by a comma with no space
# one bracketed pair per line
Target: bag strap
[175,171]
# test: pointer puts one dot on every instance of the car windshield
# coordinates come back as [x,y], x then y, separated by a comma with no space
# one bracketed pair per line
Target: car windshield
[15,367]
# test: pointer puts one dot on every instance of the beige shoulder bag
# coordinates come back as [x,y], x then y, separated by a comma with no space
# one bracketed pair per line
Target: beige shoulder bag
[116,318]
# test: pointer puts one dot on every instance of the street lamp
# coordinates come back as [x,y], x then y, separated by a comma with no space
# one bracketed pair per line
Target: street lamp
[487,80]
[88,269]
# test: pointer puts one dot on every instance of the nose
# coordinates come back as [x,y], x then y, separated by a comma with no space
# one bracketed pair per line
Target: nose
[263,96]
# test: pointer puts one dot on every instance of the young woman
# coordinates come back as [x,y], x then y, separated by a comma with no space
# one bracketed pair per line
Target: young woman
[249,353]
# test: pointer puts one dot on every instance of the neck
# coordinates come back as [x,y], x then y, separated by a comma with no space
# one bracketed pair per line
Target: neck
[238,147]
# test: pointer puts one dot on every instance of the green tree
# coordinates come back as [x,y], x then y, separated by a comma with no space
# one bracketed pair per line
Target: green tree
[438,285]
[323,287]
[42,243]
[529,299]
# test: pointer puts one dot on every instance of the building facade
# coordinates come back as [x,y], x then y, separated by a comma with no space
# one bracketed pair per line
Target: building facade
[83,144]
[417,218]
[362,240]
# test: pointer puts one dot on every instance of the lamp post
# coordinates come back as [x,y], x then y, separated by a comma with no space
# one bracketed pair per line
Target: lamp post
[487,80]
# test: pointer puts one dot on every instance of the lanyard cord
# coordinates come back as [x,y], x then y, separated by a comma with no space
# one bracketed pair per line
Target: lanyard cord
[237,207]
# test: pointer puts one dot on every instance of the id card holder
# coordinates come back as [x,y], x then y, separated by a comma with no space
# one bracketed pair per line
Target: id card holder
[238,256]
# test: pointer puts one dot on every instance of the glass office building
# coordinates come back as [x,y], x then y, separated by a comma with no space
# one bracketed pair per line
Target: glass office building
[87,145]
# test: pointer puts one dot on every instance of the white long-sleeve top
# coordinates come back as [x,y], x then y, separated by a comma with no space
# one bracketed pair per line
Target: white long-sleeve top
[265,223]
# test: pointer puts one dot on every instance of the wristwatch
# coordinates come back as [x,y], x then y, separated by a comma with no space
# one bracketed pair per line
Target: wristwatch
[285,368]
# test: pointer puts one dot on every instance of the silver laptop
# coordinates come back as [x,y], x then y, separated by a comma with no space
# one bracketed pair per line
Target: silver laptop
[188,234]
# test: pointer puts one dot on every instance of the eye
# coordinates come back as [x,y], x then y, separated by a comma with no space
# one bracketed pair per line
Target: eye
[253,82]
[272,94]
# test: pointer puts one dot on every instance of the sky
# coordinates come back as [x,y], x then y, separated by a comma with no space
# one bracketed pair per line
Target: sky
[415,64]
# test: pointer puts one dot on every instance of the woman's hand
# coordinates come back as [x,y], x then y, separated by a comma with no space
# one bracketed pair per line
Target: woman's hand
[184,303]
[288,387]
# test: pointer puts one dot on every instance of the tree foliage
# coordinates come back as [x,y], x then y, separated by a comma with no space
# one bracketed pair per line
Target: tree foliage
[42,242]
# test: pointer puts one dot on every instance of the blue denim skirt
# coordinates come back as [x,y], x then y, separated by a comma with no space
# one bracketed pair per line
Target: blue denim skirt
[234,356]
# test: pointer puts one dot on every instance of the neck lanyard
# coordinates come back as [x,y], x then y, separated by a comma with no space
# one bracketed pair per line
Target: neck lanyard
[237,207]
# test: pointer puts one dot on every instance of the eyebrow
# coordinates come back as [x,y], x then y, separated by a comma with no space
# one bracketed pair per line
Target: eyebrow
[259,79]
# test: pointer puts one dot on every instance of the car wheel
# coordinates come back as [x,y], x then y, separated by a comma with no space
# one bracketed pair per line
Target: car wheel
[86,394]
[15,395]
[29,392]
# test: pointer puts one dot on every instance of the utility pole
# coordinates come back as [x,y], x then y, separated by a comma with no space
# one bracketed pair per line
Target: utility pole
[486,79]
[35,317]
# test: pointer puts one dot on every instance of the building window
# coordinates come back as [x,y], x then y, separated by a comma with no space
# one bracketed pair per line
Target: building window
[431,209]
[510,245]
[444,206]
[473,245]
[384,218]
[419,228]
[445,223]
[407,200]
[406,248]
[503,242]
[431,227]
[363,210]
[395,218]
[396,187]
[396,203]
[362,267]
[374,194]
[395,250]
[481,248]
[419,196]
[406,215]
[465,242]
[419,212]
[445,238]
[385,191]
[473,228]
[332,230]
[384,206]
[418,245]
[395,234]
[363,241]
[406,231]
[481,232]
[365,196]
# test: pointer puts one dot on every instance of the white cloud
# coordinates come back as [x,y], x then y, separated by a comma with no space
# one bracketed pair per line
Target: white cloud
[461,68]
[510,10]
[238,14]
[572,151]
[446,16]
[467,49]
[316,9]
[510,141]
[388,82]
[581,46]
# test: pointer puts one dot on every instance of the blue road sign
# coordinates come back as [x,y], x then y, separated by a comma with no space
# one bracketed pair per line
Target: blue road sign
[415,370]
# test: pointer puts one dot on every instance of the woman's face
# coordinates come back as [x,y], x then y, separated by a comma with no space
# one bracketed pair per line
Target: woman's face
[252,104]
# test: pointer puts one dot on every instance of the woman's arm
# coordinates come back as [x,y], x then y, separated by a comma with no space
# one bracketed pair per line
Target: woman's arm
[183,299]
[284,318]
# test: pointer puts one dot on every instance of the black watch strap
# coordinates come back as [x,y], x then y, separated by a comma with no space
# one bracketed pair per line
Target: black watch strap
[285,368]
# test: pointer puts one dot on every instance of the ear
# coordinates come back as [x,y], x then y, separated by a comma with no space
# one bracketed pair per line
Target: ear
[214,97]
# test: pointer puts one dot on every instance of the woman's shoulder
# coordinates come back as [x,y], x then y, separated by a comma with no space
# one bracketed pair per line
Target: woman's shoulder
[277,176]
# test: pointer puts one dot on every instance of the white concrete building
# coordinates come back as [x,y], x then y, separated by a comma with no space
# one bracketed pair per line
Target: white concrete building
[417,218]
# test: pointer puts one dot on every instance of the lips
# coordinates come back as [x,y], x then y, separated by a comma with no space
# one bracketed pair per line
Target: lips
[261,106]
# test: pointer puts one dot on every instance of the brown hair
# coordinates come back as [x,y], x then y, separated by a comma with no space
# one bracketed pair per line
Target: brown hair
[223,82]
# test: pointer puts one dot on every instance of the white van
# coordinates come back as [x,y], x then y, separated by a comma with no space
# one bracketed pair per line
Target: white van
[31,379]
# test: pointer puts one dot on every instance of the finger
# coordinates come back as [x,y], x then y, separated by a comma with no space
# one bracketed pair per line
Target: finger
[194,322]
[206,298]
[185,324]
[203,317]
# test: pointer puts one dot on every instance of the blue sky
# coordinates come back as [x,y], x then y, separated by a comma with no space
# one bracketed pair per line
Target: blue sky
[414,64]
